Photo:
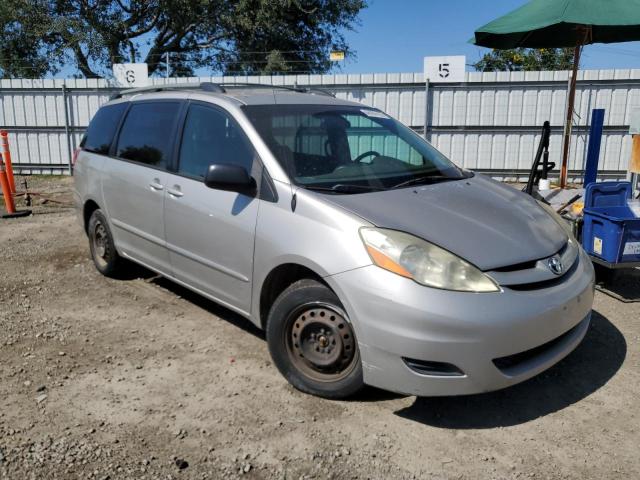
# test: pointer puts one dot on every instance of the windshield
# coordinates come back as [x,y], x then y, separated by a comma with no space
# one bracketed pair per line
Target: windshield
[347,149]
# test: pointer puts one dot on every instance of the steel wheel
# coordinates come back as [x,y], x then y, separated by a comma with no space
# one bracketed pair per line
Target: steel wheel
[103,250]
[320,343]
[312,342]
[100,242]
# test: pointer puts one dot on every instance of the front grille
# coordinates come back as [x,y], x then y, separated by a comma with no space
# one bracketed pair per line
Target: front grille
[508,363]
[552,282]
[534,274]
[528,264]
[517,266]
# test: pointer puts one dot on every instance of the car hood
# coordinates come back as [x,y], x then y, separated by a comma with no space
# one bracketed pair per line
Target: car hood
[483,221]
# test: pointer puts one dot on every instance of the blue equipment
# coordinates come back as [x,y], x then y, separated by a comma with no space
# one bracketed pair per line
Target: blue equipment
[611,230]
[593,152]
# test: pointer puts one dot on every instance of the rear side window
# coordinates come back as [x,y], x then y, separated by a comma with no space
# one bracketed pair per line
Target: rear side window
[212,136]
[147,133]
[102,128]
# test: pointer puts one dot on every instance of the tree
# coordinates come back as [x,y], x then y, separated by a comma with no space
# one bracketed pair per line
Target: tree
[526,59]
[19,56]
[229,36]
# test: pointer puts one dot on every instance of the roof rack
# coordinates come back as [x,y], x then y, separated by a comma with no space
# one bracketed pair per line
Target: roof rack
[204,86]
[320,91]
[293,88]
[217,88]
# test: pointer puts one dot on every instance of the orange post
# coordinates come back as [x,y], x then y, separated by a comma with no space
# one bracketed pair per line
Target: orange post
[6,191]
[634,164]
[6,156]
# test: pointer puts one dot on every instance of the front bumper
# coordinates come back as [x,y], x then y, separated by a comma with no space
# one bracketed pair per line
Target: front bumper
[395,318]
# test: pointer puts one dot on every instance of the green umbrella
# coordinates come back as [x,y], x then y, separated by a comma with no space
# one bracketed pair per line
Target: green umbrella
[564,23]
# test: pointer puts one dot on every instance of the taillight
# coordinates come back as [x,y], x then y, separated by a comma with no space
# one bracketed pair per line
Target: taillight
[75,156]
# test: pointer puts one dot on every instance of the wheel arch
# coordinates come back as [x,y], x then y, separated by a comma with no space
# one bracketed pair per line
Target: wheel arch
[88,208]
[277,280]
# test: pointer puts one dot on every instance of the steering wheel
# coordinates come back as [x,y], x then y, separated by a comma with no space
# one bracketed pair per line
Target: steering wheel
[364,155]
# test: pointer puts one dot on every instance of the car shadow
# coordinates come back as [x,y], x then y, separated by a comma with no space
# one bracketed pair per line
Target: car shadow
[371,394]
[585,370]
[210,306]
[623,285]
[138,272]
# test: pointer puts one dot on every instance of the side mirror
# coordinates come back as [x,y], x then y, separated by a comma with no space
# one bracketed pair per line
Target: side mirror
[233,178]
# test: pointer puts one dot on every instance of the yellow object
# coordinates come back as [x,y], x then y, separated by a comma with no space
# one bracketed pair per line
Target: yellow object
[336,56]
[634,163]
[577,208]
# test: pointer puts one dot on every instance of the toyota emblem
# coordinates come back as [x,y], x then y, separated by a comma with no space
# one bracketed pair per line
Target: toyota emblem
[555,265]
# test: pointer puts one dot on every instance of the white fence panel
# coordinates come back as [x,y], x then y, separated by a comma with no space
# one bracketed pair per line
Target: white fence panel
[490,122]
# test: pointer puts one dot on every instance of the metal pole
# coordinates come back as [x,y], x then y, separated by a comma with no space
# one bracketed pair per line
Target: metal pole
[546,132]
[569,120]
[166,75]
[66,128]
[426,109]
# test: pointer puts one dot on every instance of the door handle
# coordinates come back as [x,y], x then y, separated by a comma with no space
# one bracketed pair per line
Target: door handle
[156,185]
[175,191]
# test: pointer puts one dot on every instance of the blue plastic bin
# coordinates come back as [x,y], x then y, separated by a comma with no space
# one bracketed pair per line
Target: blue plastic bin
[611,231]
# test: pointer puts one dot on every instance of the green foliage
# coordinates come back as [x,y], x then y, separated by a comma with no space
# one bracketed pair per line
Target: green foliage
[526,59]
[276,63]
[38,37]
[19,46]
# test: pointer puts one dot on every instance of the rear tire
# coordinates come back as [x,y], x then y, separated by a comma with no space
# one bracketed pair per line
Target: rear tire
[312,342]
[103,250]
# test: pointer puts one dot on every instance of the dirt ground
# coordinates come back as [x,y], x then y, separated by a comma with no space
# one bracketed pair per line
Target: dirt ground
[138,378]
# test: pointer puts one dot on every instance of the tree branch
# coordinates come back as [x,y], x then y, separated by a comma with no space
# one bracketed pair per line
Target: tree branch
[130,22]
[132,52]
[83,64]
[210,42]
[128,10]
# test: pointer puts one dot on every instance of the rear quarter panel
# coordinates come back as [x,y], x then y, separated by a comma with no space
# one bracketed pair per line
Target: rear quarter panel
[87,180]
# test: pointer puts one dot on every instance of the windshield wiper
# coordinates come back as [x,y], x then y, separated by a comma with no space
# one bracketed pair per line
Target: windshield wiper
[344,188]
[423,179]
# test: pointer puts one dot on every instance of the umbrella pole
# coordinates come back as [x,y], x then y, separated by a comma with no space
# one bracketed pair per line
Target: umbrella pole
[569,120]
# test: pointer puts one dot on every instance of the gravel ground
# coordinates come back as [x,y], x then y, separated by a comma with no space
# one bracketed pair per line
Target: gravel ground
[138,378]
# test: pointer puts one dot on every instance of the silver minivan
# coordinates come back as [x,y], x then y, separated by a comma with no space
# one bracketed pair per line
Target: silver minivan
[366,255]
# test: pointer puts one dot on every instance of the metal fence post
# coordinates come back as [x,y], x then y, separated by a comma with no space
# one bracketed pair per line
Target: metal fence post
[426,108]
[66,129]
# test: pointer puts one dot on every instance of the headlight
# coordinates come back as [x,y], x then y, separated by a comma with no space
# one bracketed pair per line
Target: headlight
[560,221]
[423,262]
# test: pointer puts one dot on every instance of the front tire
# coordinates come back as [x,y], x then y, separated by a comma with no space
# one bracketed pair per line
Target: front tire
[103,250]
[312,342]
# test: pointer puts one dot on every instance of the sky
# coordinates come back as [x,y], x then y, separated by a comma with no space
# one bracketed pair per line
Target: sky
[395,35]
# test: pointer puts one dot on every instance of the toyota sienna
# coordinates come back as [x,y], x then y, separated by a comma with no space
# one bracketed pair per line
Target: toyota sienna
[366,255]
